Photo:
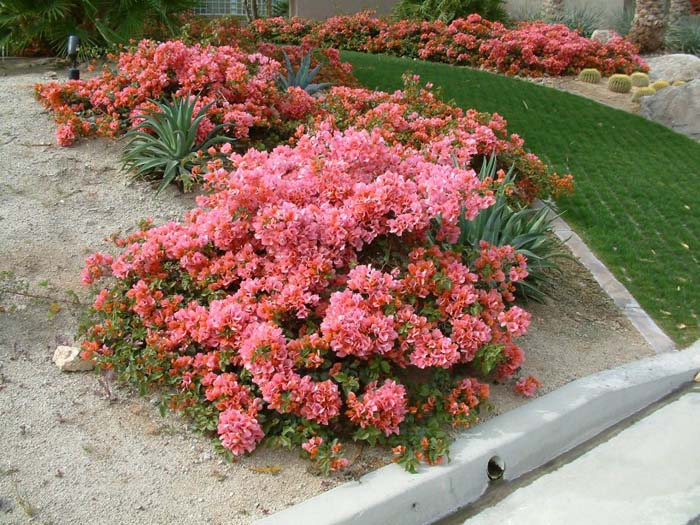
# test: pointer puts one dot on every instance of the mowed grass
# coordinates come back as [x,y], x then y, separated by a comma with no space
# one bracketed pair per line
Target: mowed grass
[637,196]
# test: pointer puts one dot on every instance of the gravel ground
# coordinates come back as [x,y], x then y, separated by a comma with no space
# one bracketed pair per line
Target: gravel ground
[80,450]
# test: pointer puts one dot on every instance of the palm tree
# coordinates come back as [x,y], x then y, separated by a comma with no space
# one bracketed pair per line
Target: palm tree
[553,10]
[98,23]
[648,25]
[677,14]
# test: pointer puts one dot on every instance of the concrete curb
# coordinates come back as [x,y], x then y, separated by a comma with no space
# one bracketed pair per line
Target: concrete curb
[525,439]
[646,326]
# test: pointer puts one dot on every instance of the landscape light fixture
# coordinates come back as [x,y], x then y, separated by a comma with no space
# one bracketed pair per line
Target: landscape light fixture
[72,51]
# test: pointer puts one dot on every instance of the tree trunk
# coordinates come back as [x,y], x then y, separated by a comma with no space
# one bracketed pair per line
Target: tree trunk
[553,10]
[248,12]
[269,8]
[254,4]
[648,25]
[678,12]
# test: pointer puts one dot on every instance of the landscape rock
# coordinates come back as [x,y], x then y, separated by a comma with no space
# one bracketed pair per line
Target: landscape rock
[674,67]
[603,35]
[67,359]
[677,108]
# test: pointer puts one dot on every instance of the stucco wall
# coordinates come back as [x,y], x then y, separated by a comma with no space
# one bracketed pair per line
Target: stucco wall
[608,8]
[326,8]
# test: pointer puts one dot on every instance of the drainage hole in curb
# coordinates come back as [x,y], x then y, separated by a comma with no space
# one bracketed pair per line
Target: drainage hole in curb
[495,468]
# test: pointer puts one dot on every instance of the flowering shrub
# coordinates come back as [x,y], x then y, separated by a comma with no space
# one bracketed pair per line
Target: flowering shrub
[304,300]
[531,49]
[241,89]
[415,116]
[527,386]
[536,48]
[240,93]
[460,41]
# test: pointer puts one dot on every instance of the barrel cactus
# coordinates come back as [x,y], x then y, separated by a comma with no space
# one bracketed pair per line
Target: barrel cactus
[677,83]
[660,84]
[620,84]
[591,76]
[639,79]
[643,92]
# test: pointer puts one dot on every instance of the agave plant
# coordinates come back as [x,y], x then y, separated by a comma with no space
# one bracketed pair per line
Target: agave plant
[301,78]
[528,230]
[165,143]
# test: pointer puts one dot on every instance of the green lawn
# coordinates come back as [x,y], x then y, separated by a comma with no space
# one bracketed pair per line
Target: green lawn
[637,197]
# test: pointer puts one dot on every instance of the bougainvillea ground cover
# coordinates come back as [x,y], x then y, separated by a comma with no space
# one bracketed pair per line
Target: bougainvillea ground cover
[638,219]
[303,296]
[110,447]
[530,49]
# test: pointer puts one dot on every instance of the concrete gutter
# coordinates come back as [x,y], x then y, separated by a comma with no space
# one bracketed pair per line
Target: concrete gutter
[524,439]
[646,326]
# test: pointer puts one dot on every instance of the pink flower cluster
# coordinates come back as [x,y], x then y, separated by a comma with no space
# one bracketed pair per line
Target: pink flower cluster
[527,386]
[416,117]
[272,294]
[382,407]
[241,86]
[537,48]
[531,49]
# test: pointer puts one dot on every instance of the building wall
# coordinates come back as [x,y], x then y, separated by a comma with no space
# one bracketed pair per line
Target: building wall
[609,9]
[324,9]
[320,9]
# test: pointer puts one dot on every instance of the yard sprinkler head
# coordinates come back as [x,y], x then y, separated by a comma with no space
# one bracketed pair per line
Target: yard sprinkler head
[72,52]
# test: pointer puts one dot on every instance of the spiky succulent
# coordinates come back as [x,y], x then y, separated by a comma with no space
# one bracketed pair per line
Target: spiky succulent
[303,77]
[528,230]
[643,92]
[164,144]
[677,83]
[591,76]
[620,84]
[639,79]
[660,84]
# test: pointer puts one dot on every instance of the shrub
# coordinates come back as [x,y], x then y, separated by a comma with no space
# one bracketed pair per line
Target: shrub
[660,84]
[686,37]
[415,117]
[449,10]
[536,48]
[622,22]
[475,41]
[460,42]
[98,23]
[643,92]
[240,90]
[301,300]
[167,142]
[581,18]
[639,79]
[620,84]
[529,231]
[591,76]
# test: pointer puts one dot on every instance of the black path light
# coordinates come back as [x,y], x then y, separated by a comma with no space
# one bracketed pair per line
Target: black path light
[72,51]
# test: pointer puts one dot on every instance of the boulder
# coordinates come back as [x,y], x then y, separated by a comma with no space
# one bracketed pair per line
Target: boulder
[68,359]
[603,35]
[676,107]
[674,67]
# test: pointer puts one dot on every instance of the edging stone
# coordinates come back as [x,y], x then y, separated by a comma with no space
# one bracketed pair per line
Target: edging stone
[647,327]
[524,438]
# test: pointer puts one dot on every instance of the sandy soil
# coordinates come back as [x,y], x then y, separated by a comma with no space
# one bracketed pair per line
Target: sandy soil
[79,450]
[598,92]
